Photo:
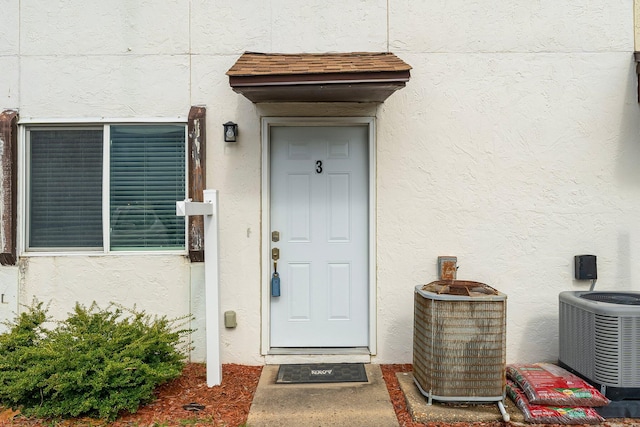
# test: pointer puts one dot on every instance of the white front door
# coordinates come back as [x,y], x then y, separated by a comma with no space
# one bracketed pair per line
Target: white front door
[319,210]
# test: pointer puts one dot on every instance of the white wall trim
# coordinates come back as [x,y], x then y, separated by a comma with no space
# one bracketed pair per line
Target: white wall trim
[267,122]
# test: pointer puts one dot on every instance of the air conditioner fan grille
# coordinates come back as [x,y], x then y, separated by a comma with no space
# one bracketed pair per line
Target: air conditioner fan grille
[613,298]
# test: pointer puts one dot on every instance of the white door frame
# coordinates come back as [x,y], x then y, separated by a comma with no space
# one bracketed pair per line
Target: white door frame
[267,122]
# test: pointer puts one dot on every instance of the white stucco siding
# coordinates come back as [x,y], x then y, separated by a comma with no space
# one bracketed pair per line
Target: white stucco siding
[9,99]
[331,26]
[289,26]
[9,56]
[113,59]
[240,244]
[234,170]
[506,159]
[136,86]
[9,29]
[9,83]
[533,26]
[514,146]
[156,284]
[636,23]
[8,296]
[112,27]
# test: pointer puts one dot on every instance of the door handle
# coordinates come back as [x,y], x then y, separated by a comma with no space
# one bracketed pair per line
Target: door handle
[275,278]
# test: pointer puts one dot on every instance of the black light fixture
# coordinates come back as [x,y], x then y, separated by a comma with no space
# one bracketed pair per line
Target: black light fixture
[230,132]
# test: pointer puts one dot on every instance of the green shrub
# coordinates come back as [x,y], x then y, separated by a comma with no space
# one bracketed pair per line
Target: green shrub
[97,363]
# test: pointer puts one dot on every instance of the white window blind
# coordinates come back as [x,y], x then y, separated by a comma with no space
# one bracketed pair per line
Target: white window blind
[65,197]
[147,176]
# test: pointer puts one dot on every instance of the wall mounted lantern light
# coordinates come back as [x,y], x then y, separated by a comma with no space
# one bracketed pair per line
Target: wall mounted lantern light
[230,132]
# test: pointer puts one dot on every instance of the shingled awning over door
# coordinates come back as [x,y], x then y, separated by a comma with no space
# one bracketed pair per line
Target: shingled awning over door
[318,77]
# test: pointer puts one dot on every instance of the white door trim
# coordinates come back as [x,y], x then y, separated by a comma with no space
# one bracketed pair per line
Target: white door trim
[267,122]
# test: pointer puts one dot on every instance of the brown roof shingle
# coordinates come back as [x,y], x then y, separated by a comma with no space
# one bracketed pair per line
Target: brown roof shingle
[261,64]
[318,77]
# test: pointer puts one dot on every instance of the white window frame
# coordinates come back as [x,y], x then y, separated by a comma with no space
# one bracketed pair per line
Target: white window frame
[23,167]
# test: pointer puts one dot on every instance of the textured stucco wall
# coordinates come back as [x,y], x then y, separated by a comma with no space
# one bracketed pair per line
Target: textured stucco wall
[636,23]
[156,284]
[520,132]
[9,91]
[9,50]
[513,147]
[8,295]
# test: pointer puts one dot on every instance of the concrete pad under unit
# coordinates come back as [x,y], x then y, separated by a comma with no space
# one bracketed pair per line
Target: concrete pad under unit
[319,405]
[449,412]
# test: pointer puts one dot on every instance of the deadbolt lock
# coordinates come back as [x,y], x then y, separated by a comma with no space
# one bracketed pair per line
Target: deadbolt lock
[275,236]
[275,254]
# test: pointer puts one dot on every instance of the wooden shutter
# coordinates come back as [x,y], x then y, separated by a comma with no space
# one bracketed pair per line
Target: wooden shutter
[9,182]
[197,179]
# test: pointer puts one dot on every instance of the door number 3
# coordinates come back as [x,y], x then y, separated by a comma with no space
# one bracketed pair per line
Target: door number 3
[318,166]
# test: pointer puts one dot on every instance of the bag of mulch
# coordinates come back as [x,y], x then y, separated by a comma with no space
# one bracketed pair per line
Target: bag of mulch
[541,414]
[547,384]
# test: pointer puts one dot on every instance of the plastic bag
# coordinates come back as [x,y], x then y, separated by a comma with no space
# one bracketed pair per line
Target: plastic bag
[542,414]
[547,384]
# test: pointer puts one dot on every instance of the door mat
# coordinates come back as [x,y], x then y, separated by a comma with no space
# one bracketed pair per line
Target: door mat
[321,373]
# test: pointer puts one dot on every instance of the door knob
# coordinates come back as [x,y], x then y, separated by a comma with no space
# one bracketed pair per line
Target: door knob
[275,254]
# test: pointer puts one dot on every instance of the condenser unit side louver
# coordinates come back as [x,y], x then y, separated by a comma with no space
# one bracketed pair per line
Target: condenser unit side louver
[459,347]
[599,339]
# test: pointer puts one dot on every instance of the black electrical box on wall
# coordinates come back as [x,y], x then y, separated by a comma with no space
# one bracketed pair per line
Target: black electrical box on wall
[586,268]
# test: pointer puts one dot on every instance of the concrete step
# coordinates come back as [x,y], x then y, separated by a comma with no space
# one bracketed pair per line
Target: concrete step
[320,405]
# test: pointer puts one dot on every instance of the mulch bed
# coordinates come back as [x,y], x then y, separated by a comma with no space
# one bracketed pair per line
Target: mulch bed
[400,404]
[226,405]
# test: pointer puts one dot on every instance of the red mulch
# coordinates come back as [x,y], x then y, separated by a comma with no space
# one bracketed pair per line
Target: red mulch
[226,405]
[400,404]
[404,419]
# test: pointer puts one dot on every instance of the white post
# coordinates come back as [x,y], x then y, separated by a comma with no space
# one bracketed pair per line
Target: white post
[209,209]
[212,291]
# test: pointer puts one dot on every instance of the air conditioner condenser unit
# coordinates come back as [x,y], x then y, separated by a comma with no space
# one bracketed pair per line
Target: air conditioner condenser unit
[599,339]
[459,349]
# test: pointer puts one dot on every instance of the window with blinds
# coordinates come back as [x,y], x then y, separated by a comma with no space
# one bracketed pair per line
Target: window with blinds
[65,188]
[147,178]
[143,170]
